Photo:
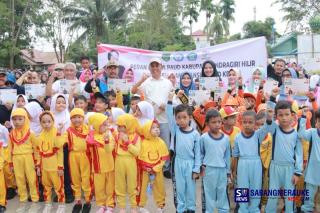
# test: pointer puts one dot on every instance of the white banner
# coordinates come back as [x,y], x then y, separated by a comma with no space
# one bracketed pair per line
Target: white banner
[243,55]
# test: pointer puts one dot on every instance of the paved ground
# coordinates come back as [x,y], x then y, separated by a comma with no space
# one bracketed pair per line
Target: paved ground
[13,204]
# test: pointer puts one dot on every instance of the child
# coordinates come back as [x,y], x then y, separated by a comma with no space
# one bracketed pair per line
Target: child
[127,149]
[22,147]
[102,145]
[247,151]
[115,99]
[229,119]
[312,177]
[154,153]
[186,162]
[79,160]
[10,182]
[265,153]
[144,112]
[34,110]
[101,104]
[50,162]
[286,164]
[215,158]
[81,102]
[3,142]
[20,102]
[59,108]
[135,99]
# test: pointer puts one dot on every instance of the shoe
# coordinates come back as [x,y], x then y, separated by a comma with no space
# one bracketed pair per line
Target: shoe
[109,210]
[61,208]
[167,174]
[86,208]
[101,209]
[11,193]
[2,209]
[47,208]
[160,210]
[22,208]
[34,208]
[69,198]
[143,210]
[77,207]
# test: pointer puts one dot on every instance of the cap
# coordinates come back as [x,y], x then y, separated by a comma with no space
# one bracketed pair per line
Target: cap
[101,96]
[158,60]
[232,102]
[59,66]
[227,112]
[249,95]
[2,72]
[112,63]
[209,105]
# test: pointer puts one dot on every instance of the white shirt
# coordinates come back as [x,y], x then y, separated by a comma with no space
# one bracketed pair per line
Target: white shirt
[56,87]
[156,92]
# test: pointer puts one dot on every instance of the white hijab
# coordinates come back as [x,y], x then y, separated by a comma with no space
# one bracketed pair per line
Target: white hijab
[15,103]
[147,112]
[60,117]
[115,113]
[34,109]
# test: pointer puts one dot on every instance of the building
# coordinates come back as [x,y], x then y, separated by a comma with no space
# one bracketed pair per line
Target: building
[200,39]
[38,60]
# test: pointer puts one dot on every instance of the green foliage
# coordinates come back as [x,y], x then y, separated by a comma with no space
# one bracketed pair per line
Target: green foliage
[258,28]
[298,12]
[314,23]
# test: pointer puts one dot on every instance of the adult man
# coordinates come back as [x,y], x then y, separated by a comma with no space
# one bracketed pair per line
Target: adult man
[276,72]
[156,90]
[5,108]
[110,71]
[68,71]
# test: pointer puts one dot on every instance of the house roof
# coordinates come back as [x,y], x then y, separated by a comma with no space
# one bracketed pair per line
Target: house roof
[286,45]
[199,33]
[37,57]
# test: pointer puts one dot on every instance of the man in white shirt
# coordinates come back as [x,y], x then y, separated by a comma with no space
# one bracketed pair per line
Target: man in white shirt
[156,90]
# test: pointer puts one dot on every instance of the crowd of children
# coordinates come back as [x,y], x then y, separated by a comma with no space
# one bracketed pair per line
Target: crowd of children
[114,155]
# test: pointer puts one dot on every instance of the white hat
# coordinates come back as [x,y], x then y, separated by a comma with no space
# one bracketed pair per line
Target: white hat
[158,60]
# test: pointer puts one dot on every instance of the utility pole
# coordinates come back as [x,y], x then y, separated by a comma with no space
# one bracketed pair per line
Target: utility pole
[12,35]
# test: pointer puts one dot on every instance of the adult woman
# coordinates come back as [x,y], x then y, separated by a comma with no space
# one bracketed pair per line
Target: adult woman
[209,69]
[129,75]
[186,84]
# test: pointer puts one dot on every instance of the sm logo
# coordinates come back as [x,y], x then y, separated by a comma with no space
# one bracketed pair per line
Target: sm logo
[241,195]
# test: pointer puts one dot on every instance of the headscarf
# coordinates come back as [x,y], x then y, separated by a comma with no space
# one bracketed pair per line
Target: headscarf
[250,83]
[188,88]
[82,76]
[34,109]
[175,82]
[116,112]
[215,71]
[129,121]
[60,117]
[46,136]
[125,73]
[83,129]
[147,112]
[15,103]
[95,121]
[20,134]
[146,128]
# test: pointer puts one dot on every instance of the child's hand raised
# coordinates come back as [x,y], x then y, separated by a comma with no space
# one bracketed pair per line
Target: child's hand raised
[124,137]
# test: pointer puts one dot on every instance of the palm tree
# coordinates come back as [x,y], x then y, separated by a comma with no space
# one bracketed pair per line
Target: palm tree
[227,7]
[92,18]
[208,7]
[191,11]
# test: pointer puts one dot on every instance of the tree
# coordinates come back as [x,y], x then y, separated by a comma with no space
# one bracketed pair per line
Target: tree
[92,18]
[207,6]
[299,12]
[258,28]
[17,17]
[191,12]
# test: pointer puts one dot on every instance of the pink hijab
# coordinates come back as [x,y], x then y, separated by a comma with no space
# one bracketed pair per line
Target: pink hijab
[82,76]
[125,74]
